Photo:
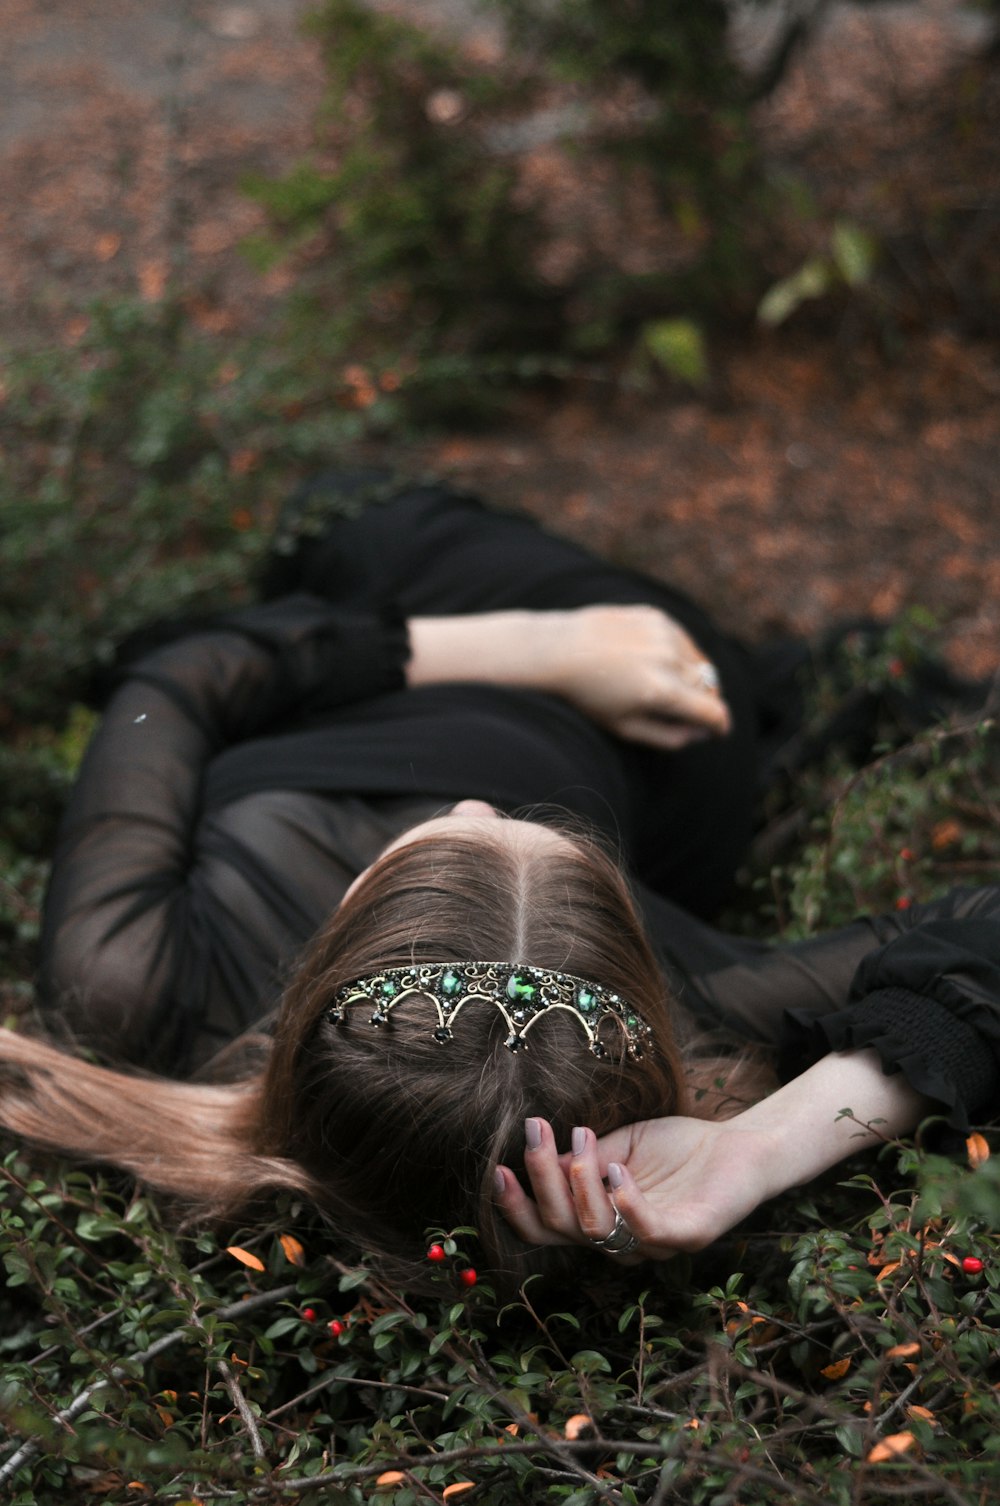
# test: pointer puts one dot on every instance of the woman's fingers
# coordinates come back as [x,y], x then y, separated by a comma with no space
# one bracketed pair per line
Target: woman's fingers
[694,703]
[571,1204]
[636,1211]
[658,732]
[598,1214]
[521,1212]
[551,1189]
[594,1209]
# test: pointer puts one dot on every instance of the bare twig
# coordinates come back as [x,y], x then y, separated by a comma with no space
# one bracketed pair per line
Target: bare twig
[82,1400]
[243,1407]
[361,1382]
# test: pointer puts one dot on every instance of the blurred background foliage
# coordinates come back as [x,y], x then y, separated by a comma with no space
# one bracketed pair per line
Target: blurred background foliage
[597,195]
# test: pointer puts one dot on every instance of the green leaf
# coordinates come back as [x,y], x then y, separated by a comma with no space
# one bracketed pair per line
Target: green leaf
[849,1438]
[854,252]
[811,280]
[678,345]
[590,1360]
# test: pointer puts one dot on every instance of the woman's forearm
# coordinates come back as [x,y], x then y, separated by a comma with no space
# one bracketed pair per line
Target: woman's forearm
[802,1131]
[630,669]
[493,648]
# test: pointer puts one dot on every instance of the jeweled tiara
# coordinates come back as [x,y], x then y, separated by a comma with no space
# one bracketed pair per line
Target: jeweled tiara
[522,994]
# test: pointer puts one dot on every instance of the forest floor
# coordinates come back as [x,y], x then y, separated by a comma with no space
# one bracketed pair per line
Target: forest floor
[815,479]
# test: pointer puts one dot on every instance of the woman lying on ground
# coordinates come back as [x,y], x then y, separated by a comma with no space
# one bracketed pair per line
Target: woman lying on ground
[371,758]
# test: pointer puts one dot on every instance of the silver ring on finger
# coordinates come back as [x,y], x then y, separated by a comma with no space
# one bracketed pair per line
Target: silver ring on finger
[708,675]
[620,1241]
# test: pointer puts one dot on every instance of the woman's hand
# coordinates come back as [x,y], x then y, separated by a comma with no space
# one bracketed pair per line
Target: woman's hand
[680,1183]
[634,670]
[631,669]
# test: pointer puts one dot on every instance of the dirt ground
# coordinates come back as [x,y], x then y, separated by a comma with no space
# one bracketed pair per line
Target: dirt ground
[815,481]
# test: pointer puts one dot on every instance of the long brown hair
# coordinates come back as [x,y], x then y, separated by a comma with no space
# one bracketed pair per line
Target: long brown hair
[388,1132]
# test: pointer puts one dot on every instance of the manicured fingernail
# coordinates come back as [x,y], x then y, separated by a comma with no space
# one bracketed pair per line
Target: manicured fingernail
[499,1183]
[616,1176]
[578,1140]
[533,1133]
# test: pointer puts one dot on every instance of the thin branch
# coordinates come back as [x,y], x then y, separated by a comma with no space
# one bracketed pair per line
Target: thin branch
[243,1407]
[355,1380]
[82,1400]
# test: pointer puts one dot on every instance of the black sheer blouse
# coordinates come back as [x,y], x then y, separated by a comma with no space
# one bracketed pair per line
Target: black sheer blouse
[245,773]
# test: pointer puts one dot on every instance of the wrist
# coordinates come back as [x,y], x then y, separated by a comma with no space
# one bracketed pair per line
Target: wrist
[802,1129]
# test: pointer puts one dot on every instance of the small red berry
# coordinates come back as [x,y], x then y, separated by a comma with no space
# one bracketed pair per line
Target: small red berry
[897,668]
[972,1265]
[336,1327]
[308,1315]
[467,1277]
[436,1253]
[904,902]
[907,854]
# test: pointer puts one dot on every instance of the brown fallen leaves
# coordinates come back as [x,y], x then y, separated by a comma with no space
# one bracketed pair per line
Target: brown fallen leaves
[893,1446]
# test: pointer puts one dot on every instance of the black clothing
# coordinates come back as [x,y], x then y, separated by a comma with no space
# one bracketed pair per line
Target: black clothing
[243,775]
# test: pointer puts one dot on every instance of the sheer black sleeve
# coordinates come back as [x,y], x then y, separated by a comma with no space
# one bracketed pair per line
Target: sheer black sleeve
[921,986]
[127,942]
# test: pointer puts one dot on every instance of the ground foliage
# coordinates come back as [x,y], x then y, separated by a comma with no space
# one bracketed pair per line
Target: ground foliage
[838,1351]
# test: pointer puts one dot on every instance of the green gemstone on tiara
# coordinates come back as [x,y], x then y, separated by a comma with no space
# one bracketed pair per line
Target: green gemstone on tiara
[522,989]
[522,994]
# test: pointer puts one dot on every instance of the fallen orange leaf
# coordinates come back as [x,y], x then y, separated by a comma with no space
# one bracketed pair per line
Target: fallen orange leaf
[891,1447]
[902,1351]
[765,1335]
[245,1257]
[945,834]
[577,1426]
[390,1477]
[837,1369]
[693,1425]
[152,280]
[294,1253]
[977,1149]
[242,462]
[107,246]
[923,1412]
[887,1270]
[458,1489]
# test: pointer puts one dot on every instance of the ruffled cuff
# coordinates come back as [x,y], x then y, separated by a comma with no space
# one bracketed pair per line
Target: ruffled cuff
[940,1056]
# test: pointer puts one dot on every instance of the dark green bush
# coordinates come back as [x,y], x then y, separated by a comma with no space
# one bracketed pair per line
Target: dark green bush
[422,240]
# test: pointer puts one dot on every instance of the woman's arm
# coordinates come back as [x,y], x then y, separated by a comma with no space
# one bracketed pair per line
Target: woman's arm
[680,1183]
[140,890]
[916,999]
[631,669]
